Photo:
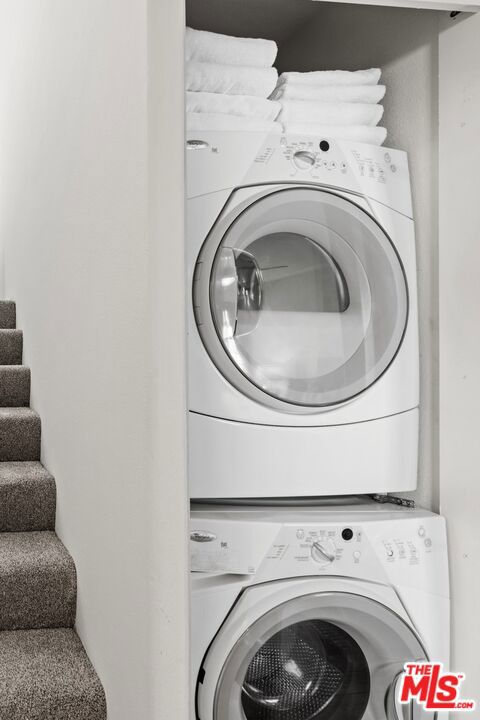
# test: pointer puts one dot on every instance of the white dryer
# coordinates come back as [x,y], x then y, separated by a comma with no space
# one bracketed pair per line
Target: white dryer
[303,337]
[312,614]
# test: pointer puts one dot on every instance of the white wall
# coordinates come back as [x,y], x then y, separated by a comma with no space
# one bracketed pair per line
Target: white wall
[460,334]
[93,255]
[404,43]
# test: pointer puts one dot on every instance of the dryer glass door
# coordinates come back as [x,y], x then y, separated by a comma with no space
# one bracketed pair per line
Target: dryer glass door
[323,656]
[307,299]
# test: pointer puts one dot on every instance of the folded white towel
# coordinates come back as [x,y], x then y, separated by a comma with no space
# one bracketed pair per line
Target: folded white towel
[332,77]
[246,105]
[231,79]
[198,121]
[330,93]
[204,46]
[305,111]
[354,133]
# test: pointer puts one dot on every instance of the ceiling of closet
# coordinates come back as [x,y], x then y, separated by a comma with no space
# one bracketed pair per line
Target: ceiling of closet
[273,19]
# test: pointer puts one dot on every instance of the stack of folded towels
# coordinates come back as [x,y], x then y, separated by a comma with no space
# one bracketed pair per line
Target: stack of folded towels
[335,104]
[228,82]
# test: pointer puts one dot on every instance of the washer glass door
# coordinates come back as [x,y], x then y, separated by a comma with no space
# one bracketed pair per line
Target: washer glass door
[323,656]
[306,303]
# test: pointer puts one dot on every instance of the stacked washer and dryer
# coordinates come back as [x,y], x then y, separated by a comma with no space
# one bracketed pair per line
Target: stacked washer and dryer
[307,596]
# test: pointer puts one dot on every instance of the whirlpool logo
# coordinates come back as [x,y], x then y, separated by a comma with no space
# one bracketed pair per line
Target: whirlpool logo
[430,686]
[202,536]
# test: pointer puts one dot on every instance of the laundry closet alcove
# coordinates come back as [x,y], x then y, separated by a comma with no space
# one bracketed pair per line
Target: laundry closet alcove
[429,53]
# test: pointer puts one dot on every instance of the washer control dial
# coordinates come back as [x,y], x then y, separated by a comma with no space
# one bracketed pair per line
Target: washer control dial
[304,160]
[323,551]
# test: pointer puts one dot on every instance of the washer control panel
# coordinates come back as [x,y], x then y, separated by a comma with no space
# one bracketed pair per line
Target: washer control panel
[318,548]
[407,548]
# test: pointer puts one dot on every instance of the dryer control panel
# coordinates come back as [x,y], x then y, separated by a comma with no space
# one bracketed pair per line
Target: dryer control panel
[228,160]
[309,157]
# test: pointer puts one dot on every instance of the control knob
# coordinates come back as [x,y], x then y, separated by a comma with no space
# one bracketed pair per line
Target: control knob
[323,551]
[304,160]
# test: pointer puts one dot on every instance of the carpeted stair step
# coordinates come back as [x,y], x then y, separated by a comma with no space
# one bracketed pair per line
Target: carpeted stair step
[27,497]
[11,347]
[20,432]
[8,319]
[38,584]
[46,675]
[14,386]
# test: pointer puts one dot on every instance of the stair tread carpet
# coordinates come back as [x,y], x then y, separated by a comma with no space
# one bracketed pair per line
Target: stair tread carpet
[20,431]
[38,584]
[8,320]
[46,675]
[14,386]
[27,497]
[11,347]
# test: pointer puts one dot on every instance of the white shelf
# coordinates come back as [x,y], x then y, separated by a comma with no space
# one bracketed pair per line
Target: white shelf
[447,5]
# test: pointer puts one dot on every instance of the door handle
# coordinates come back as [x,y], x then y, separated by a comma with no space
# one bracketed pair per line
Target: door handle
[225,295]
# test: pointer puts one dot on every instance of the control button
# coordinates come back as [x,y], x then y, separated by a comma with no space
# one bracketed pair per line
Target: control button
[347,534]
[303,160]
[357,555]
[421,531]
[197,145]
[322,553]
[389,552]
[343,167]
[300,534]
[324,145]
[393,168]
[333,165]
[388,159]
[428,543]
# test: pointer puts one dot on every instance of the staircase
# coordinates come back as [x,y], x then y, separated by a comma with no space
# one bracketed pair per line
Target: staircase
[45,673]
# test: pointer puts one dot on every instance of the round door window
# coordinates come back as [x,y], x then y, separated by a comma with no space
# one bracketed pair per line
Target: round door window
[307,671]
[306,301]
[319,656]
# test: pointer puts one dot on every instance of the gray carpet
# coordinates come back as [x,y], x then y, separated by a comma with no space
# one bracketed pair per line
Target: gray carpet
[27,497]
[38,584]
[45,673]
[20,431]
[14,386]
[8,320]
[11,347]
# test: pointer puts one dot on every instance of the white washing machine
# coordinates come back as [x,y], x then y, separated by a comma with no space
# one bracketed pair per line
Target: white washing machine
[312,614]
[303,337]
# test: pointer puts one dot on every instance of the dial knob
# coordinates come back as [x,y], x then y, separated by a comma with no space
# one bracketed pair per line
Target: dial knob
[304,160]
[323,552]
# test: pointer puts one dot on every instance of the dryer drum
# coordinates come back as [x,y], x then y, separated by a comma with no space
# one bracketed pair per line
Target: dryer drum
[311,670]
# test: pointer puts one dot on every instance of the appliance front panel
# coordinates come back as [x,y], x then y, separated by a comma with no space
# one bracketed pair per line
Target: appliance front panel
[241,460]
[211,393]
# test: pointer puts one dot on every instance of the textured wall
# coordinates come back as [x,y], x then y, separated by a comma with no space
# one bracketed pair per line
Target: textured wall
[96,278]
